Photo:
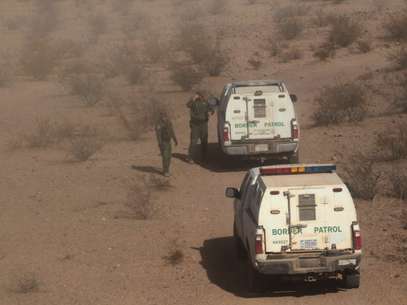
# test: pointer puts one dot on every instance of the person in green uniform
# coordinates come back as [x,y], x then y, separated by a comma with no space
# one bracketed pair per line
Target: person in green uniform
[165,134]
[199,117]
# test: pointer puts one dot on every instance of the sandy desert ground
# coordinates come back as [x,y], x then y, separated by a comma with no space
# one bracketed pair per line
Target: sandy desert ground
[108,229]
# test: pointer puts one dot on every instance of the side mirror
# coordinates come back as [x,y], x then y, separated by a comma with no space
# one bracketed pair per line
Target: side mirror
[293,98]
[213,101]
[231,192]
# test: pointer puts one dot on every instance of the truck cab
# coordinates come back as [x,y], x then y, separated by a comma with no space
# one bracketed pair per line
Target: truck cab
[297,220]
[257,119]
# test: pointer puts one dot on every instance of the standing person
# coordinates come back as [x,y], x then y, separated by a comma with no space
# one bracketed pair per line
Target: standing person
[199,117]
[165,134]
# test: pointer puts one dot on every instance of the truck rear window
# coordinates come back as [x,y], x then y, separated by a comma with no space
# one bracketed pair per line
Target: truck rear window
[306,206]
[259,106]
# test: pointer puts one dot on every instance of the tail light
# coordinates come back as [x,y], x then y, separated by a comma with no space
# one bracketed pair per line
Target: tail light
[357,237]
[226,137]
[295,131]
[259,244]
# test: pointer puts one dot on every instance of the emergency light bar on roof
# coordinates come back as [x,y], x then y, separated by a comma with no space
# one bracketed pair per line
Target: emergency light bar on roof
[298,169]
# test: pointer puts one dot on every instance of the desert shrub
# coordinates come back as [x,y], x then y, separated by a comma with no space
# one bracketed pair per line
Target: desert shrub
[185,75]
[255,63]
[325,51]
[321,19]
[396,26]
[399,58]
[132,24]
[290,28]
[364,46]
[97,26]
[158,183]
[38,58]
[217,7]
[154,48]
[28,283]
[340,103]
[289,12]
[88,86]
[175,254]
[202,48]
[344,31]
[85,144]
[398,183]
[140,202]
[7,71]
[45,19]
[46,132]
[293,53]
[135,73]
[361,178]
[401,100]
[393,142]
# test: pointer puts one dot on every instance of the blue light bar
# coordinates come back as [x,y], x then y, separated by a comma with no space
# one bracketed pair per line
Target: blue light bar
[298,169]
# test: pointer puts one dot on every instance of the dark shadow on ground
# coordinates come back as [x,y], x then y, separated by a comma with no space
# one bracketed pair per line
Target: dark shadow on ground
[147,169]
[181,157]
[226,271]
[217,161]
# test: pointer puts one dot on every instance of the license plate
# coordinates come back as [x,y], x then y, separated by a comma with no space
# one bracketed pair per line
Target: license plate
[308,244]
[261,147]
[344,262]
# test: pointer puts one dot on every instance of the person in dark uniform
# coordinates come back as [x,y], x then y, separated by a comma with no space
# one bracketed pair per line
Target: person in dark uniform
[165,134]
[199,117]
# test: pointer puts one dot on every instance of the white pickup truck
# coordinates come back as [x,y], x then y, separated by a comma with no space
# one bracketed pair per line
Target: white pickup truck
[296,220]
[256,119]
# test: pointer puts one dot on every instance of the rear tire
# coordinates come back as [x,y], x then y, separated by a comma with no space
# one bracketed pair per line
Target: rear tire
[255,280]
[351,280]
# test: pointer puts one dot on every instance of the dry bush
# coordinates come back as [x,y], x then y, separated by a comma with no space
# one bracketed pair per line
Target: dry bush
[175,254]
[293,53]
[45,20]
[342,102]
[155,49]
[7,71]
[344,31]
[38,58]
[399,58]
[87,85]
[364,46]
[290,28]
[85,144]
[185,75]
[202,48]
[396,26]
[325,51]
[401,100]
[217,7]
[289,12]
[158,183]
[140,202]
[45,132]
[393,142]
[321,19]
[255,63]
[361,179]
[28,283]
[398,183]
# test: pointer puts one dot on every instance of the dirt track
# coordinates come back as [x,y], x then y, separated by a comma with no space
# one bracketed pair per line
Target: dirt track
[67,224]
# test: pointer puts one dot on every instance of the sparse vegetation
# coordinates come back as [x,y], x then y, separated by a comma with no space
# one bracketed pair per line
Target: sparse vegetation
[175,255]
[393,142]
[399,58]
[325,51]
[140,202]
[255,63]
[85,144]
[47,132]
[364,46]
[285,13]
[185,75]
[396,26]
[361,178]
[28,283]
[344,31]
[290,28]
[398,182]
[293,53]
[401,100]
[343,102]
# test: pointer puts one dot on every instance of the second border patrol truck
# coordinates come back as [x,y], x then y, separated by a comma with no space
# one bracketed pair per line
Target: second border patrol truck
[296,220]
[256,119]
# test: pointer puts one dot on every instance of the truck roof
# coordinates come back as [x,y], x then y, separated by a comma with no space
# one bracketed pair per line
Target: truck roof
[301,180]
[255,83]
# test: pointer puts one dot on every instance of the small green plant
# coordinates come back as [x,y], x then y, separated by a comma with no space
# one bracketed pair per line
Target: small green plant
[343,102]
[27,284]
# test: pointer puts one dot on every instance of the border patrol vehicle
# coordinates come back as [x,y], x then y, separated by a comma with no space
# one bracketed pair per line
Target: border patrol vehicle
[257,119]
[296,220]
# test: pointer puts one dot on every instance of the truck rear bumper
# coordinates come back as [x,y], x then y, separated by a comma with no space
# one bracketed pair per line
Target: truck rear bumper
[261,148]
[309,264]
